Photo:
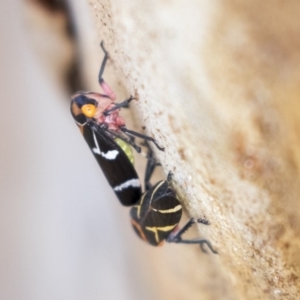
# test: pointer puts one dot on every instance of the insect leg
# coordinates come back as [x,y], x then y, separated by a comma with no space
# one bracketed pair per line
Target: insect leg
[150,167]
[105,87]
[142,136]
[100,79]
[128,140]
[201,242]
[170,176]
[119,105]
[176,237]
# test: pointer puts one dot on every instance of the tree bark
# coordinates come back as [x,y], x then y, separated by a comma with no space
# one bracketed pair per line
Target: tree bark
[218,86]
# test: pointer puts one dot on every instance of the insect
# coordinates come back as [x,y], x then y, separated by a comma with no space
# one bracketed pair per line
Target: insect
[97,116]
[156,216]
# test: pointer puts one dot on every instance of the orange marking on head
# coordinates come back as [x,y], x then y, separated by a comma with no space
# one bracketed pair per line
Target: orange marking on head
[89,110]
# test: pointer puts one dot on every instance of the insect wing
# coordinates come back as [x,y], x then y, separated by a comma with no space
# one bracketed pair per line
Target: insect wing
[141,209]
[116,166]
[157,214]
[162,219]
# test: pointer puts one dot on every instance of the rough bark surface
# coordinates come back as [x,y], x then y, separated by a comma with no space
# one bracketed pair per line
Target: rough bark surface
[218,85]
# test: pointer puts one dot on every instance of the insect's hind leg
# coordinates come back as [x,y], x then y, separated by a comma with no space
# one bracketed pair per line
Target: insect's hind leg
[176,237]
[200,242]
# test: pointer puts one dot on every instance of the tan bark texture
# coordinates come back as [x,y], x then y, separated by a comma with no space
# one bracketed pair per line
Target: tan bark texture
[218,84]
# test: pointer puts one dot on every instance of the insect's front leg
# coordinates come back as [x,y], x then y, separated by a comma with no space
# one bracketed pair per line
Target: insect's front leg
[125,103]
[105,87]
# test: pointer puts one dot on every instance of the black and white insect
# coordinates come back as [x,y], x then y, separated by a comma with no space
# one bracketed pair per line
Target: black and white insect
[156,216]
[97,116]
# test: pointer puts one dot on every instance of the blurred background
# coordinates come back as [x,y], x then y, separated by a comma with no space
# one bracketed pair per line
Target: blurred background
[63,233]
[219,87]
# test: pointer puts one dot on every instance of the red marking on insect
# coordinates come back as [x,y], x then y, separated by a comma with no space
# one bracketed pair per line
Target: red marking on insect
[104,102]
[101,109]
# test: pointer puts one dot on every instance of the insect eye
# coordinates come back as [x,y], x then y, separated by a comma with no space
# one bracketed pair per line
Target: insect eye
[89,110]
